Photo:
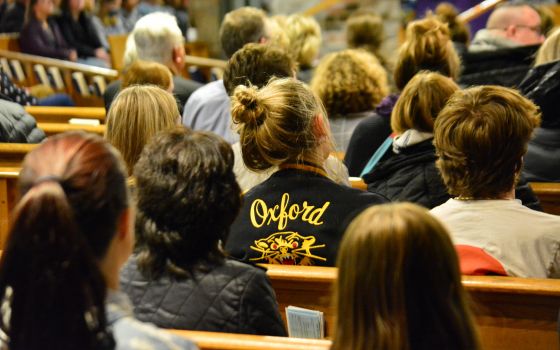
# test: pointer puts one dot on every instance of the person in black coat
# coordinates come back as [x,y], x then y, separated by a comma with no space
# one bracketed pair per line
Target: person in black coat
[41,35]
[407,172]
[542,86]
[79,32]
[13,17]
[179,277]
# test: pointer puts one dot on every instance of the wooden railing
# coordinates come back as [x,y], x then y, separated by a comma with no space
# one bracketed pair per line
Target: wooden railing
[511,313]
[65,114]
[229,341]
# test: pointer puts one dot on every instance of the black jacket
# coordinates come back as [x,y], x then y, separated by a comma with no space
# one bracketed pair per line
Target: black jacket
[80,35]
[35,40]
[182,90]
[412,176]
[504,67]
[542,85]
[296,217]
[17,126]
[232,297]
[12,20]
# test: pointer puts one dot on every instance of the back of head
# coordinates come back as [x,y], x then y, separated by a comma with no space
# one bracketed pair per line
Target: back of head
[349,81]
[481,136]
[428,47]
[422,99]
[304,34]
[155,37]
[73,192]
[143,73]
[255,64]
[459,30]
[364,30]
[276,122]
[399,284]
[242,26]
[550,49]
[187,198]
[518,22]
[138,113]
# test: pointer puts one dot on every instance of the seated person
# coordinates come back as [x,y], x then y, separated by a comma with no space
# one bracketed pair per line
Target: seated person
[304,37]
[298,215]
[138,113]
[72,232]
[502,53]
[427,46]
[399,284]
[41,34]
[351,83]
[407,170]
[16,125]
[209,108]
[148,73]
[11,92]
[12,19]
[180,276]
[157,38]
[481,137]
[256,64]
[541,85]
[80,33]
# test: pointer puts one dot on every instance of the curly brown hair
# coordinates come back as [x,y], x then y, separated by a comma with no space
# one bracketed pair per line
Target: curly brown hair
[187,198]
[349,81]
[481,136]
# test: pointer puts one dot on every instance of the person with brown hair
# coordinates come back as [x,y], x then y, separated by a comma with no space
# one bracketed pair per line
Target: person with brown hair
[364,30]
[428,47]
[407,170]
[148,73]
[298,215]
[70,235]
[137,114]
[399,284]
[180,277]
[458,29]
[350,83]
[209,107]
[481,137]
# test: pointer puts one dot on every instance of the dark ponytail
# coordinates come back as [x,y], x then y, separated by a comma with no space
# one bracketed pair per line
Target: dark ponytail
[52,291]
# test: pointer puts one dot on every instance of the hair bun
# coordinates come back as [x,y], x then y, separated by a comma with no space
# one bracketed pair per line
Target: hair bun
[247,107]
[447,13]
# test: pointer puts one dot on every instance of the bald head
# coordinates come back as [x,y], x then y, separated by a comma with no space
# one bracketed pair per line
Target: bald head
[519,23]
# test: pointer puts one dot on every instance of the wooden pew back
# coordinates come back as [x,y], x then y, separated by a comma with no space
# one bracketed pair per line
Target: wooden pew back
[8,200]
[549,196]
[229,341]
[511,312]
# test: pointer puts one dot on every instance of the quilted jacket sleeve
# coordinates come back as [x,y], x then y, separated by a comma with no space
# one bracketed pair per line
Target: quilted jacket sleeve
[259,309]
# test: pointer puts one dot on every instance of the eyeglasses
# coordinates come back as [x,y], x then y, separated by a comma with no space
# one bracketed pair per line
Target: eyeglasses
[536,29]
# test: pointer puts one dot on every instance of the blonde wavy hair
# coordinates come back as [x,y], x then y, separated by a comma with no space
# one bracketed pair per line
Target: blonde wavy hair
[277,124]
[420,102]
[428,47]
[349,81]
[364,30]
[136,115]
[481,136]
[304,34]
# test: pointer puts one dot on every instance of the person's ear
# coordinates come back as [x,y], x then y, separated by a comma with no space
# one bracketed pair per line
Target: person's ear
[320,126]
[125,225]
[510,31]
[179,56]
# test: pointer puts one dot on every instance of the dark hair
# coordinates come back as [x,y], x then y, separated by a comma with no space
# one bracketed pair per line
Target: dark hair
[255,64]
[459,31]
[187,198]
[242,26]
[73,192]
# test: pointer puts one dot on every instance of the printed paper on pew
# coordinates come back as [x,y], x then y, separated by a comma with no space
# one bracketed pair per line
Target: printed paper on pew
[305,323]
[78,121]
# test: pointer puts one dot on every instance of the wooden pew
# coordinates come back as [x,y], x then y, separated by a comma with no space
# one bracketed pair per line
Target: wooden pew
[511,313]
[8,199]
[44,114]
[549,196]
[230,341]
[12,154]
[58,128]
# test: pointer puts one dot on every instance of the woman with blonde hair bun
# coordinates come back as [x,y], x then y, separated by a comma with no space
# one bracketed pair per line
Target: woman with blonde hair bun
[399,284]
[298,215]
[138,113]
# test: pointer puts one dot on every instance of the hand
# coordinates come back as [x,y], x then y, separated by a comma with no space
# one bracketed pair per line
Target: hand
[102,54]
[73,56]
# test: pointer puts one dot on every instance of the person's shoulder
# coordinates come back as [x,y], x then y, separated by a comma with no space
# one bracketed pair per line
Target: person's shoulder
[185,84]
[212,91]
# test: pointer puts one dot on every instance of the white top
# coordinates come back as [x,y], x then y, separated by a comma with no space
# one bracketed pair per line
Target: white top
[526,242]
[248,179]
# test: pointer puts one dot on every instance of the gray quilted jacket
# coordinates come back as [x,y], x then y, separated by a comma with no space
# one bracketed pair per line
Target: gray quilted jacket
[233,297]
[18,126]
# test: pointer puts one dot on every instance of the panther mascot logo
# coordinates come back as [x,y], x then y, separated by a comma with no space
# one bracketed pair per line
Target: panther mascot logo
[287,248]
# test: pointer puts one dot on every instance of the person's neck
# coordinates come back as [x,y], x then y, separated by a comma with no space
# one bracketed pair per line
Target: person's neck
[509,195]
[42,18]
[110,271]
[75,14]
